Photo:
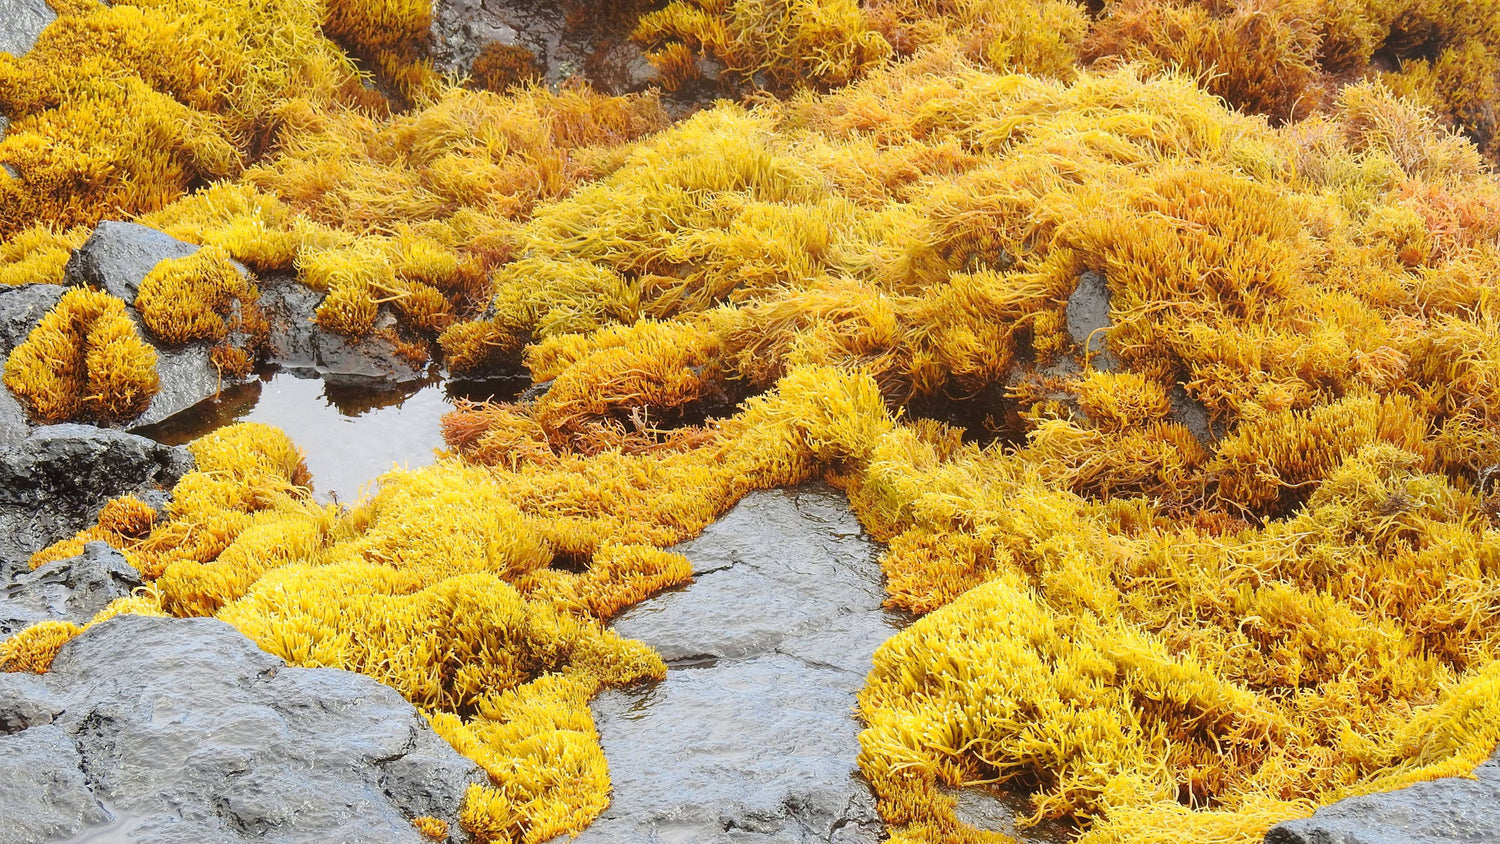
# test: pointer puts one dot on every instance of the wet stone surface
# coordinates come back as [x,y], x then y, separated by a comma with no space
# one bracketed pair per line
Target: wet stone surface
[752,736]
[1452,810]
[182,730]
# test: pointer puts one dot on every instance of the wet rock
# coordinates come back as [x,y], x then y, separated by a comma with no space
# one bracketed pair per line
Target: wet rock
[25,701]
[184,731]
[44,794]
[53,483]
[14,424]
[568,38]
[21,21]
[752,737]
[297,343]
[117,257]
[1088,319]
[21,308]
[188,376]
[69,590]
[1452,810]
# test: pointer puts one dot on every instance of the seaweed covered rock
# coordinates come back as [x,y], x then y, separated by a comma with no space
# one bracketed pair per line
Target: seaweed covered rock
[21,308]
[253,749]
[750,738]
[1441,811]
[57,479]
[85,360]
[21,21]
[296,341]
[68,590]
[501,42]
[118,256]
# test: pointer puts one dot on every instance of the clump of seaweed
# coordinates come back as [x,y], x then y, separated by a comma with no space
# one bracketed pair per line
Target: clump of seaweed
[85,360]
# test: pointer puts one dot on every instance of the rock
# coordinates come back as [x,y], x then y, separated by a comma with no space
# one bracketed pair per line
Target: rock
[53,483]
[1452,810]
[297,343]
[752,737]
[184,731]
[25,701]
[117,257]
[14,423]
[568,38]
[44,794]
[1088,319]
[21,308]
[21,21]
[188,376]
[69,590]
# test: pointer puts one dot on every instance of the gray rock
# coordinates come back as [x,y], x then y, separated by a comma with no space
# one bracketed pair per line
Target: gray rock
[297,343]
[188,376]
[21,308]
[184,731]
[14,423]
[21,21]
[117,257]
[44,795]
[569,38]
[1088,319]
[751,738]
[67,590]
[53,483]
[26,701]
[1453,810]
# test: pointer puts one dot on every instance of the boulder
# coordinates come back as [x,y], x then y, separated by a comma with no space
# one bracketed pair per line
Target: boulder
[53,483]
[181,730]
[117,257]
[21,308]
[1453,810]
[67,590]
[567,38]
[21,21]
[752,737]
[297,343]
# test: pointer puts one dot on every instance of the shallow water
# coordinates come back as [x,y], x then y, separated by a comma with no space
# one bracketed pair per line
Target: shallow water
[351,434]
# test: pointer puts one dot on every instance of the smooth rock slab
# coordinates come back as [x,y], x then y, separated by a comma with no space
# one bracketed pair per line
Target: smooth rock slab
[1453,810]
[752,736]
[184,731]
[21,21]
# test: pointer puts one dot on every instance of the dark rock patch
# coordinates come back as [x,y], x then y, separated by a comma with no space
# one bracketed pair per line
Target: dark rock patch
[21,308]
[752,738]
[566,38]
[53,483]
[176,730]
[297,343]
[1452,810]
[67,590]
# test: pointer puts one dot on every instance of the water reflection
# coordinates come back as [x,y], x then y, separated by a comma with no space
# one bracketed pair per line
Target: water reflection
[352,433]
